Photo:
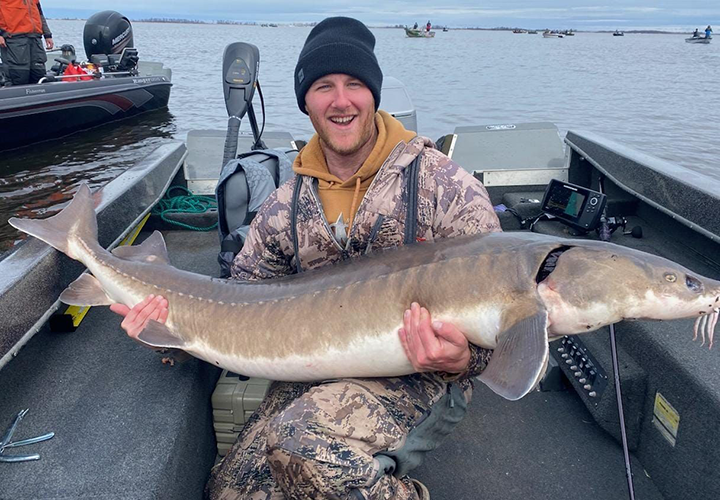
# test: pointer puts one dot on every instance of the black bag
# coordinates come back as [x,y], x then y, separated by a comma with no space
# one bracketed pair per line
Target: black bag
[243,186]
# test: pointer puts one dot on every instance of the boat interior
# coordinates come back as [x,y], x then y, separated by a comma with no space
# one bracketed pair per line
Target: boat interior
[127,425]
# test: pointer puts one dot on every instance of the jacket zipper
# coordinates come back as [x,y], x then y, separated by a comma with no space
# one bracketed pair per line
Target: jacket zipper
[316,196]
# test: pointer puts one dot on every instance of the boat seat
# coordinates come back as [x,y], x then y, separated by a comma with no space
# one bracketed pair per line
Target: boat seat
[127,60]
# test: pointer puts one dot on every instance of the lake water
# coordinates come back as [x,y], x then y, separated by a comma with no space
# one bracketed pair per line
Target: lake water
[655,93]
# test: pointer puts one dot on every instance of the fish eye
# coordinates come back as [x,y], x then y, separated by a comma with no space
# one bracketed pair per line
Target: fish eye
[670,277]
[693,284]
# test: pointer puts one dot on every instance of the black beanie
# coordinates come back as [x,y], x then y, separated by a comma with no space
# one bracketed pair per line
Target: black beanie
[338,45]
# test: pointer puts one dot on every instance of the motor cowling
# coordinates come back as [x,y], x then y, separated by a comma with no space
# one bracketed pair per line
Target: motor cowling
[107,32]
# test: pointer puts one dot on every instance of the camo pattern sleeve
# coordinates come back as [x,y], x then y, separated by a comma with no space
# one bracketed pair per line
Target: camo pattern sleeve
[267,250]
[460,205]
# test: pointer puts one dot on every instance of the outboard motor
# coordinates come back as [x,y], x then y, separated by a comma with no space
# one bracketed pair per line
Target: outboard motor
[108,40]
[107,32]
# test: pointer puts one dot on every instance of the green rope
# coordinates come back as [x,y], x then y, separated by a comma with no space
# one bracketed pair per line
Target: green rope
[187,203]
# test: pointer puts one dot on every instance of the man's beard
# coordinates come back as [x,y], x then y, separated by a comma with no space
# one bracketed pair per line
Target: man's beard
[365,134]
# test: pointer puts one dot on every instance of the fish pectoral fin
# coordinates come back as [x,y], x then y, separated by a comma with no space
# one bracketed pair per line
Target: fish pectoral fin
[150,251]
[85,291]
[520,358]
[156,334]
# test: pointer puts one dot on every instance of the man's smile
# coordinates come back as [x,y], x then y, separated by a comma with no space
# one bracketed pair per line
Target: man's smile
[342,121]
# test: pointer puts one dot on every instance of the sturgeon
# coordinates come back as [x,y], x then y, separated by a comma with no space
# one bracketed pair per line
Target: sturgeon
[511,292]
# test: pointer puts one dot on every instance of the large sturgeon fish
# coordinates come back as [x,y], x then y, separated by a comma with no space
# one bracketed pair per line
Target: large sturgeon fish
[510,292]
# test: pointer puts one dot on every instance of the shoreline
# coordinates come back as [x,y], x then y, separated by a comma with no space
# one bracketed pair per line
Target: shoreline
[397,26]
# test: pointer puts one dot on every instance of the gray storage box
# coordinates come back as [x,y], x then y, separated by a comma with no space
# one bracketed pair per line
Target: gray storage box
[234,400]
[522,154]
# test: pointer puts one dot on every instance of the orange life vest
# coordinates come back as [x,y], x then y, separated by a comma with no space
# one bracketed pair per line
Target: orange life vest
[75,69]
[20,17]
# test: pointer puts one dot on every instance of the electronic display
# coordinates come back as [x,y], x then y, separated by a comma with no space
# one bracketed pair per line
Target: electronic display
[574,205]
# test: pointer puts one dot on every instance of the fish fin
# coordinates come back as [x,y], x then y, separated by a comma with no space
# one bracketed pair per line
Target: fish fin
[85,291]
[520,358]
[156,334]
[77,219]
[151,251]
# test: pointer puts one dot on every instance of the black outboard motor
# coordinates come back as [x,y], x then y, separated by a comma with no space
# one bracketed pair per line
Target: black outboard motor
[107,32]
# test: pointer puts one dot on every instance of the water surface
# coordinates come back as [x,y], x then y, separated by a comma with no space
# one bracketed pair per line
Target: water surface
[655,93]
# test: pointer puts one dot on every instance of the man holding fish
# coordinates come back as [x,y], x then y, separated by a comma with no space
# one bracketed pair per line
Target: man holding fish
[338,434]
[351,438]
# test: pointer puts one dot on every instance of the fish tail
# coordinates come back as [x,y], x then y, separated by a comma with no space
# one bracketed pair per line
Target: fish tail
[76,221]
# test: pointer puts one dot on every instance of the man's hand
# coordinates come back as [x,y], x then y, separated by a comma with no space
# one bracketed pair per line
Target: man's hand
[2,42]
[152,308]
[433,345]
[49,43]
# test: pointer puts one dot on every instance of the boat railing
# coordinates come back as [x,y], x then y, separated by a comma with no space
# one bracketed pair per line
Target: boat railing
[35,273]
[687,196]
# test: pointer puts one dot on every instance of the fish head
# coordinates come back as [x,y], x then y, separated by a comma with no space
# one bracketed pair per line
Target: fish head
[599,284]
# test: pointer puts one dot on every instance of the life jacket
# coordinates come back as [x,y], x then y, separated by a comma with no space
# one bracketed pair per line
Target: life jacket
[243,185]
[76,69]
[20,18]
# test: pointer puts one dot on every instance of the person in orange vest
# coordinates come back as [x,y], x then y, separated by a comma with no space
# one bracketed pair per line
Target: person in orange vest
[22,25]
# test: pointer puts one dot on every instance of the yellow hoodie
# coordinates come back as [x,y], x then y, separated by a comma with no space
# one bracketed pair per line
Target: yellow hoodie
[342,198]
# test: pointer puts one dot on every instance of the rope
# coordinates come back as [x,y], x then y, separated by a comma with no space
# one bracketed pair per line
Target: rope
[186,203]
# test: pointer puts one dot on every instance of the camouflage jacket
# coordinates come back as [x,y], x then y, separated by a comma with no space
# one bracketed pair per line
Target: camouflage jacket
[450,203]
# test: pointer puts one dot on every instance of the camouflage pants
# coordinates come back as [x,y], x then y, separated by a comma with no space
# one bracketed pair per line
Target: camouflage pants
[345,439]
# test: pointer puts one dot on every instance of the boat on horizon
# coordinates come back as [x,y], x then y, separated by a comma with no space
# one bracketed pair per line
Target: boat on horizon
[418,33]
[618,33]
[698,39]
[114,83]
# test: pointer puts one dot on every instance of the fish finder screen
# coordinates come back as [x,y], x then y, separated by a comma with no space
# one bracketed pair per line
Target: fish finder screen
[565,201]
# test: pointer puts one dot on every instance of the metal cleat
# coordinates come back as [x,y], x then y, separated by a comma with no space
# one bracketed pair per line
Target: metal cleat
[5,443]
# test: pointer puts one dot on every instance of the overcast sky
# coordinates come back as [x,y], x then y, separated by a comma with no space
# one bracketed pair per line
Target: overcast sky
[577,14]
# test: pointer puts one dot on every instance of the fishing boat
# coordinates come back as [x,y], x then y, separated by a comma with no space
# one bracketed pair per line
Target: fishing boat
[618,33]
[551,34]
[128,426]
[418,33]
[120,85]
[698,39]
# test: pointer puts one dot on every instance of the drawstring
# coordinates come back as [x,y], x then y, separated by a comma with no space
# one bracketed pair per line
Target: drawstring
[354,204]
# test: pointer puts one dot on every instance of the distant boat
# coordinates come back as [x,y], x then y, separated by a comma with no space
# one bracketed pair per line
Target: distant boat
[418,33]
[569,33]
[445,29]
[698,39]
[517,30]
[532,32]
[618,33]
[551,34]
